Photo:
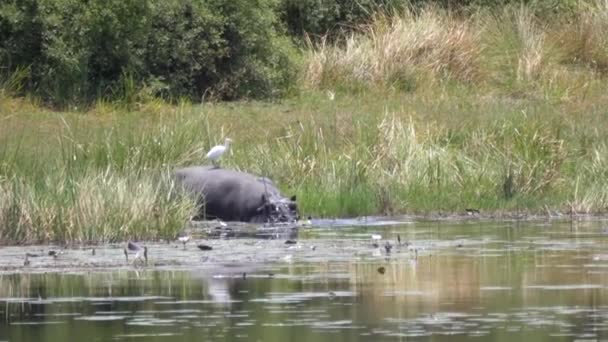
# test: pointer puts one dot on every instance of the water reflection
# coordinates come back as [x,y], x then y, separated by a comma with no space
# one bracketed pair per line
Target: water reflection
[487,281]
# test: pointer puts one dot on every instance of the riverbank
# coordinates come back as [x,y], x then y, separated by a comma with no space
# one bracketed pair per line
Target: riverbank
[104,175]
[321,241]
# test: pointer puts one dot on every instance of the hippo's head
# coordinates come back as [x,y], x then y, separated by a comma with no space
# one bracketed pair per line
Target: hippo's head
[279,209]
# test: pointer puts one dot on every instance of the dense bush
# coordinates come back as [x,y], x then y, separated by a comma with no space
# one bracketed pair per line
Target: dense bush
[327,17]
[319,17]
[80,50]
[231,48]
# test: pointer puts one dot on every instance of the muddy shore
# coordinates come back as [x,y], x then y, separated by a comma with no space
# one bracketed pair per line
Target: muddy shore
[242,244]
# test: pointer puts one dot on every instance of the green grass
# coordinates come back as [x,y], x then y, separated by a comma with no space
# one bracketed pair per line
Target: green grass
[106,176]
[513,120]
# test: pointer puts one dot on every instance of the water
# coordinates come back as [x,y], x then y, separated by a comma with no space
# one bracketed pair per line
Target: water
[451,281]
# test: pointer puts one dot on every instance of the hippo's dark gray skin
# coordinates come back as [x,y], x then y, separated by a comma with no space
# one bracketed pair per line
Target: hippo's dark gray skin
[231,195]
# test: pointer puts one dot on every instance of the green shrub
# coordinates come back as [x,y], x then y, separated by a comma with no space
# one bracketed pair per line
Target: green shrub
[82,50]
[319,17]
[20,38]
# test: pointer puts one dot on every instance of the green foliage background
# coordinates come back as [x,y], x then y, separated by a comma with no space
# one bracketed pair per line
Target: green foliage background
[76,51]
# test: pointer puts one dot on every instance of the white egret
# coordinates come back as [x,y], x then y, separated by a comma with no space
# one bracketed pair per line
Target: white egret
[216,152]
[376,237]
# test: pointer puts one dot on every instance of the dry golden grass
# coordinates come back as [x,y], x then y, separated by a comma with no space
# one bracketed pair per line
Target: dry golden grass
[532,52]
[584,40]
[509,51]
[398,51]
[99,206]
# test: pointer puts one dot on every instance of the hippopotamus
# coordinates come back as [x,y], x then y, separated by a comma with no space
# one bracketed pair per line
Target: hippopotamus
[231,195]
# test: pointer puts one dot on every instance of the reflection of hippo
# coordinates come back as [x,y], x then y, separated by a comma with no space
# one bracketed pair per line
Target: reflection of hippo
[236,196]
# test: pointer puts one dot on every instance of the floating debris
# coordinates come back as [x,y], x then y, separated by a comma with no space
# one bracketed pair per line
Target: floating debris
[381,269]
[204,247]
[291,242]
[54,253]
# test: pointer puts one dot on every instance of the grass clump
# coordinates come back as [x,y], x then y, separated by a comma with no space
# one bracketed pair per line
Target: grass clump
[95,207]
[398,51]
[92,183]
[585,39]
[504,51]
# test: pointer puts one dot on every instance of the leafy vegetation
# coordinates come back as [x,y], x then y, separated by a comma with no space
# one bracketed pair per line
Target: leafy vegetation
[79,51]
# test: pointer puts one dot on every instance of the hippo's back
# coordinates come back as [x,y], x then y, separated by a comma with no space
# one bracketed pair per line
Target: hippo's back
[228,194]
[209,179]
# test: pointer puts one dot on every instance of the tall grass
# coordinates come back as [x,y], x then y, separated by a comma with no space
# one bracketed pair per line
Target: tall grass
[92,207]
[106,181]
[398,51]
[99,184]
[585,40]
[507,51]
[402,164]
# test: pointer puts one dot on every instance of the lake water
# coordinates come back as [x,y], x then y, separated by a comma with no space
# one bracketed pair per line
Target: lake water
[447,281]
